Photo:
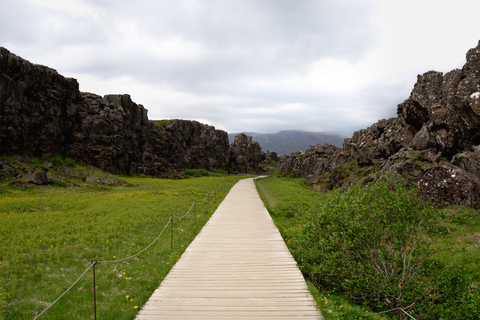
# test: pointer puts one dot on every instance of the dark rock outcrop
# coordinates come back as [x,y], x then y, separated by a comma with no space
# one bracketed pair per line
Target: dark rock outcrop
[448,184]
[39,178]
[65,170]
[109,133]
[311,164]
[37,108]
[183,144]
[434,141]
[94,179]
[43,113]
[270,156]
[245,155]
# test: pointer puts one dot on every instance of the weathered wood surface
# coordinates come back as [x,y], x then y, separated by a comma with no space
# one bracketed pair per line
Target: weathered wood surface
[238,267]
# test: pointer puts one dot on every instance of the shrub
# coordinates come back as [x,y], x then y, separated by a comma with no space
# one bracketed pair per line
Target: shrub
[369,244]
[456,296]
[218,171]
[60,183]
[59,159]
[196,173]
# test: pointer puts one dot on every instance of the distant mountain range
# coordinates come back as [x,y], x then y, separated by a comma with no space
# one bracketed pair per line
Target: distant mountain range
[288,141]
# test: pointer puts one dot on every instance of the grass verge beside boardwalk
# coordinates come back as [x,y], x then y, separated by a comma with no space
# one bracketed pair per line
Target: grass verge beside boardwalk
[49,235]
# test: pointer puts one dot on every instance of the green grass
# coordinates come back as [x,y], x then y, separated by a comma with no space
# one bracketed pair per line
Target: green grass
[454,239]
[49,236]
[161,123]
[334,306]
[458,239]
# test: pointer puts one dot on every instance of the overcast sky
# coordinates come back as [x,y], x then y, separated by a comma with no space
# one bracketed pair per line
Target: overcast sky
[247,65]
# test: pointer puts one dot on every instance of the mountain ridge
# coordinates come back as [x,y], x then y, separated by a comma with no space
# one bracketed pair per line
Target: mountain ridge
[285,142]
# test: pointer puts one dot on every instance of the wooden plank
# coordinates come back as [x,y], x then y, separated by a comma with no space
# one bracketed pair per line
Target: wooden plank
[238,267]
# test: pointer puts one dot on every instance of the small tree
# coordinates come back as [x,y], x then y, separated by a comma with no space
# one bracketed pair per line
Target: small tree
[369,244]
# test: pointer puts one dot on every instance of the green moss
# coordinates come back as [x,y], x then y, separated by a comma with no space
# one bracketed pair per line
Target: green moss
[352,171]
[414,158]
[160,123]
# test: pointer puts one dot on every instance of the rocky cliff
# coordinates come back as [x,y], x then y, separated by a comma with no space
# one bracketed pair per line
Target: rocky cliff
[43,113]
[433,142]
[245,155]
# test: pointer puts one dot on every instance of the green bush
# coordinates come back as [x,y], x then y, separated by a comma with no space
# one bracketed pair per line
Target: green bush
[368,243]
[59,183]
[218,171]
[196,173]
[455,296]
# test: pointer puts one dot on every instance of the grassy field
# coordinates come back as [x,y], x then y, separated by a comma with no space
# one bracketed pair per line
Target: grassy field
[454,244]
[49,236]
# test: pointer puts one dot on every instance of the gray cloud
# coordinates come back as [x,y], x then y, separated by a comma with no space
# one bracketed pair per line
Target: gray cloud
[265,66]
[236,38]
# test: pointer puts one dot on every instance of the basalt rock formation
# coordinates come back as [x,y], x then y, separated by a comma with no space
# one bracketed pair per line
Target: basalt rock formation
[434,142]
[37,107]
[245,155]
[43,113]
[181,144]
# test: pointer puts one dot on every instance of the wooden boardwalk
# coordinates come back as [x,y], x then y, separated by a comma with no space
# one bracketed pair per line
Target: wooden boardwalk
[238,267]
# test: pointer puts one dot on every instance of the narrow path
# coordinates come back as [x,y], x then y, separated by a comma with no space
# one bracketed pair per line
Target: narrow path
[238,267]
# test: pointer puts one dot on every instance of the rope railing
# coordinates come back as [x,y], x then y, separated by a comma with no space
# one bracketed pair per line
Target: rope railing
[406,313]
[95,262]
[91,265]
[133,256]
[204,199]
[193,204]
[394,309]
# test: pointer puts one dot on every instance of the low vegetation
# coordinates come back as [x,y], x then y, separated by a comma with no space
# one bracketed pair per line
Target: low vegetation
[371,249]
[160,123]
[379,246]
[203,173]
[16,172]
[50,234]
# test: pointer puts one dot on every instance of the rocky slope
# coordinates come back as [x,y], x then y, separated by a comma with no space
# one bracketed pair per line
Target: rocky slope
[434,142]
[43,113]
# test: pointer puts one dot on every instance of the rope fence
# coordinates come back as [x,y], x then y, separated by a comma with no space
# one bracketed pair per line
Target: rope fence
[91,265]
[94,262]
[394,309]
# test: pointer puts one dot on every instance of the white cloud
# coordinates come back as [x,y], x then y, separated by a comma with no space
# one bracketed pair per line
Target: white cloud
[70,7]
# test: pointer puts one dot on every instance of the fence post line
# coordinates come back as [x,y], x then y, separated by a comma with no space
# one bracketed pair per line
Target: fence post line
[94,261]
[171,234]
